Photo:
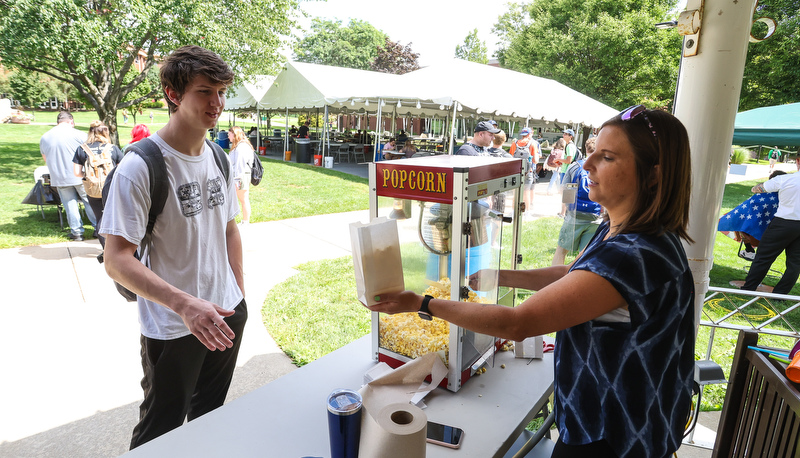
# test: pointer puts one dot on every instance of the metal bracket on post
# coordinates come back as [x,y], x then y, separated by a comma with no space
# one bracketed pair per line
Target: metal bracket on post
[689,26]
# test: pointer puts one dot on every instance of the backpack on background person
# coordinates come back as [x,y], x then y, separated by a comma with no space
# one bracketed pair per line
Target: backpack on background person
[96,170]
[257,171]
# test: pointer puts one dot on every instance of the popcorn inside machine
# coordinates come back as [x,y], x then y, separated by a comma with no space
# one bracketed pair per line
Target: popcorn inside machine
[457,216]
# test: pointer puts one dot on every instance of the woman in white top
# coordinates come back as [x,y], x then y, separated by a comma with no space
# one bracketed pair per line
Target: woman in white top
[242,157]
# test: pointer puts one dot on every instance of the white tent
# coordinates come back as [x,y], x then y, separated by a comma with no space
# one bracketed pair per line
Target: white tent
[479,90]
[497,93]
[248,93]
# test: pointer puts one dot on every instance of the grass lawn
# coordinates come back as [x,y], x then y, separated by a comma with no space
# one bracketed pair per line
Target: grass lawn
[288,190]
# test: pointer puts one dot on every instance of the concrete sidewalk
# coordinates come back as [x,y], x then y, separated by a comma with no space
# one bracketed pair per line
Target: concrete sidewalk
[71,366]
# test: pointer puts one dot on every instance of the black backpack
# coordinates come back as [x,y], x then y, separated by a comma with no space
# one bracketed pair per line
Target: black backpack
[257,172]
[159,186]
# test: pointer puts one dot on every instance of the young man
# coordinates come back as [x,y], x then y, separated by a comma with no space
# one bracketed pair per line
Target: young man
[481,140]
[58,147]
[191,298]
[529,150]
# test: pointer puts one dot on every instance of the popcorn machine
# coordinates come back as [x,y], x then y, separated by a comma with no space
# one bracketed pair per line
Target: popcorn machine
[456,216]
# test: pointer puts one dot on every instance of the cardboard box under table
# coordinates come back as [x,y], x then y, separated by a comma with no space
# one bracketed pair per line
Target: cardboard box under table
[456,216]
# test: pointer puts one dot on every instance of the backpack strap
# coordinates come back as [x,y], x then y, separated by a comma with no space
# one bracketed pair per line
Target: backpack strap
[221,159]
[157,171]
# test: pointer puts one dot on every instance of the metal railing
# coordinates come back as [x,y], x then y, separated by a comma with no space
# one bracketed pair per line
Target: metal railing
[736,309]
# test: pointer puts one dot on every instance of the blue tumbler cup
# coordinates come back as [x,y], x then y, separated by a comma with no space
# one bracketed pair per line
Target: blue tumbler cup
[344,423]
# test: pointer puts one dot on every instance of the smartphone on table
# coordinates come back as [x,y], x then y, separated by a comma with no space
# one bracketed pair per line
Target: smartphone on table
[447,436]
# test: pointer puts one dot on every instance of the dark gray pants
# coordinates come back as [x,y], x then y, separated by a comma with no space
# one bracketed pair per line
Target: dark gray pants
[184,380]
[781,234]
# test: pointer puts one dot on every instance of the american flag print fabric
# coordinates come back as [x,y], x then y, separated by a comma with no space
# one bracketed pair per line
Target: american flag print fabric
[751,216]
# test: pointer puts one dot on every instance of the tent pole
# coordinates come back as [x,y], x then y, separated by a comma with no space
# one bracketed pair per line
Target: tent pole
[325,135]
[452,128]
[286,135]
[378,130]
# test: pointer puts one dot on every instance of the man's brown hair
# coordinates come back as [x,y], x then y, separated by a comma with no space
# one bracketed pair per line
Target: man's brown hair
[185,64]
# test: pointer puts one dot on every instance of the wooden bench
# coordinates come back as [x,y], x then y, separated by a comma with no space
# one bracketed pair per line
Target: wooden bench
[761,414]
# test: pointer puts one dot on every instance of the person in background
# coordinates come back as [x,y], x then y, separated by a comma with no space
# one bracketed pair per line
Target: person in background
[58,147]
[774,156]
[190,281]
[569,152]
[581,223]
[553,163]
[623,310]
[496,150]
[528,149]
[293,130]
[125,116]
[401,139]
[391,145]
[98,140]
[409,149]
[782,235]
[242,157]
[748,220]
[481,140]
[138,133]
[303,133]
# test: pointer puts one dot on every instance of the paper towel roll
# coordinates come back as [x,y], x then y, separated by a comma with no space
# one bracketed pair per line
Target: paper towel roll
[396,431]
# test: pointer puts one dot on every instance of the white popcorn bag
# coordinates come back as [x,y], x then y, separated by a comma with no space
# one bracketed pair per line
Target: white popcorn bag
[376,259]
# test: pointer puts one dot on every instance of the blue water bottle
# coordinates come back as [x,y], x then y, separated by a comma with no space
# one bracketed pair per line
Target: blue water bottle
[344,423]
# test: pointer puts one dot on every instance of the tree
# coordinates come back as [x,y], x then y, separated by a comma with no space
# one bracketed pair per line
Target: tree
[93,44]
[606,49]
[395,58]
[30,88]
[328,43]
[772,68]
[473,49]
[141,93]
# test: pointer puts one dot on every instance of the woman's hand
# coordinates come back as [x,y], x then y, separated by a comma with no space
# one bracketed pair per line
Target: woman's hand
[391,303]
[483,280]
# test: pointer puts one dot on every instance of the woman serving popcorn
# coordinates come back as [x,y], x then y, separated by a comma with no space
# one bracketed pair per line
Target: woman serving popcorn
[624,359]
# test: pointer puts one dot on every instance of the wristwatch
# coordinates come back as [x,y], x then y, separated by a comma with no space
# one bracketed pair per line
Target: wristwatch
[423,312]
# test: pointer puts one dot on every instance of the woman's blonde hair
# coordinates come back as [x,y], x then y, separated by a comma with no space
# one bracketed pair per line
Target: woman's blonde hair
[98,132]
[499,138]
[238,136]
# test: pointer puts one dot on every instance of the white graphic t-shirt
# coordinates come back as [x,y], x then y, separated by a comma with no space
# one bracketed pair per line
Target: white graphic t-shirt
[188,247]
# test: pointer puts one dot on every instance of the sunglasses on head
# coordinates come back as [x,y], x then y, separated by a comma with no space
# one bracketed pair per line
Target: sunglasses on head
[634,111]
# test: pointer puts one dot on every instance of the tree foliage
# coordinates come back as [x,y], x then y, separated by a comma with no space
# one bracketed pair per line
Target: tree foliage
[473,49]
[772,68]
[93,44]
[607,49]
[329,43]
[395,58]
[30,88]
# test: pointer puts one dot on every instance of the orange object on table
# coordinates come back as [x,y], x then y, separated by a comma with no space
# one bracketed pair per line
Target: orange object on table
[793,369]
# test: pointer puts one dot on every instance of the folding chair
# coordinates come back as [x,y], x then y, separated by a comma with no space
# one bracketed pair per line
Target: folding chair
[358,150]
[344,150]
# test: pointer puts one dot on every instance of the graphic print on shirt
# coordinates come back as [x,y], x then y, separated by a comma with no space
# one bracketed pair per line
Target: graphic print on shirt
[215,192]
[190,198]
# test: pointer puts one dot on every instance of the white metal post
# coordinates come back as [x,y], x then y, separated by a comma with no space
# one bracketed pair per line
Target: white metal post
[706,102]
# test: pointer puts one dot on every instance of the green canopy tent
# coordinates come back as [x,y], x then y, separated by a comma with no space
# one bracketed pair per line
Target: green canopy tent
[777,125]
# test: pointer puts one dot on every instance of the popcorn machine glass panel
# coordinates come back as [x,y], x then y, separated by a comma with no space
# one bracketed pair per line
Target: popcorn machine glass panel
[443,240]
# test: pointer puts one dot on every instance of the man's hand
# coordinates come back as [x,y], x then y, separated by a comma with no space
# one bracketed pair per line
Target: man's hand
[758,189]
[205,321]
